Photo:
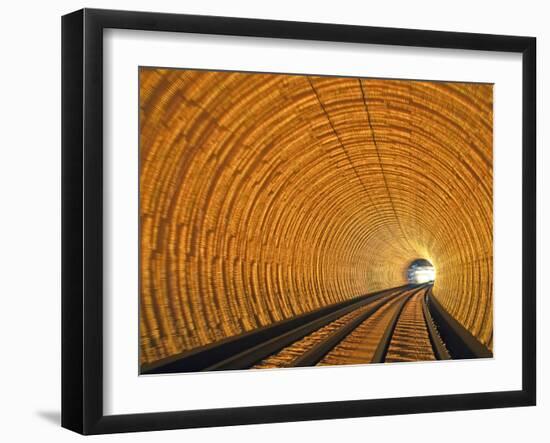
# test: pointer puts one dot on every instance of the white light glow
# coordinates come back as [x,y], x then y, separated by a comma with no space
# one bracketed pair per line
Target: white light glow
[421,271]
[423,275]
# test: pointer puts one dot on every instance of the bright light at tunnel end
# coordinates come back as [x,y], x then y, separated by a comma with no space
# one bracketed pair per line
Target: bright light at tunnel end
[424,275]
[421,271]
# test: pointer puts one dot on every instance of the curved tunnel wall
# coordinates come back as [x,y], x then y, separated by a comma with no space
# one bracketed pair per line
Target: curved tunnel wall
[265,196]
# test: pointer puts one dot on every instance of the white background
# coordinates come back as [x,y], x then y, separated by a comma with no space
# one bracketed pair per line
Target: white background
[30,223]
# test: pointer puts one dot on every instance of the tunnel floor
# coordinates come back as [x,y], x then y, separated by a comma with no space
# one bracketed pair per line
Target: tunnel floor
[403,324]
[372,340]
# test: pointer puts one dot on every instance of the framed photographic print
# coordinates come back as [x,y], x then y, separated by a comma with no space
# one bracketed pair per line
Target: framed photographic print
[269,221]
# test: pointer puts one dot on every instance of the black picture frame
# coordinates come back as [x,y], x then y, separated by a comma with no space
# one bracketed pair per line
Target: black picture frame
[82,218]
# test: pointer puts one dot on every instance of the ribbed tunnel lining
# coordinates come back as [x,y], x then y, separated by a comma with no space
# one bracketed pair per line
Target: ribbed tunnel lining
[266,196]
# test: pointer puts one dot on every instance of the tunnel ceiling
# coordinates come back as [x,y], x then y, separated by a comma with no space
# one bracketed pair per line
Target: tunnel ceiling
[266,196]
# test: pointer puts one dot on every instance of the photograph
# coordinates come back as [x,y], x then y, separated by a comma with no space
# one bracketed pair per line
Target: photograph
[297,220]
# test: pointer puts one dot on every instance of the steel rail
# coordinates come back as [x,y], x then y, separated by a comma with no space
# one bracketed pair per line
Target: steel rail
[206,356]
[440,351]
[317,352]
[254,355]
[384,344]
[459,341]
[209,356]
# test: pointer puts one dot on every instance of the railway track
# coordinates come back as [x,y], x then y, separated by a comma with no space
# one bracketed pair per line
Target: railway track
[395,325]
[296,353]
[391,329]
[363,343]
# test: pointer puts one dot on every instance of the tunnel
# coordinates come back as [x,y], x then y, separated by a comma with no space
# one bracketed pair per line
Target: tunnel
[270,201]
